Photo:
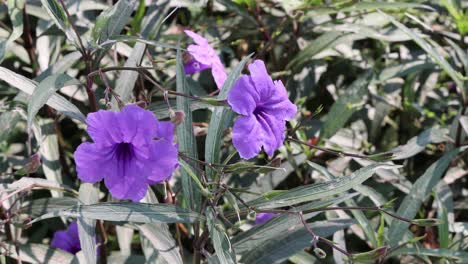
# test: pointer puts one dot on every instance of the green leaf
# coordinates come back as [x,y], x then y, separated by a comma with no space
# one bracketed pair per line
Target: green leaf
[88,194]
[195,179]
[44,91]
[63,64]
[370,257]
[285,244]
[221,243]
[420,190]
[367,5]
[444,202]
[36,253]
[221,117]
[319,190]
[325,41]
[458,256]
[28,182]
[42,206]
[441,61]
[126,81]
[186,137]
[111,22]
[359,215]
[283,223]
[15,12]
[46,137]
[156,240]
[162,242]
[403,69]
[464,123]
[115,39]
[128,212]
[58,15]
[27,86]
[417,144]
[345,106]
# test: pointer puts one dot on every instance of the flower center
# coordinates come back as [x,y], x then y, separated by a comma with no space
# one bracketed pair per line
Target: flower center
[258,110]
[124,151]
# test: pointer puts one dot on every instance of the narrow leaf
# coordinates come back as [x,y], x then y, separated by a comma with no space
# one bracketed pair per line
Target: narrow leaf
[45,90]
[27,86]
[221,243]
[420,190]
[186,137]
[319,190]
[88,194]
[345,106]
[128,212]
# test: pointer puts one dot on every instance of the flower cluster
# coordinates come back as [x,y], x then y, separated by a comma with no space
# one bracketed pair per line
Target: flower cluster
[131,149]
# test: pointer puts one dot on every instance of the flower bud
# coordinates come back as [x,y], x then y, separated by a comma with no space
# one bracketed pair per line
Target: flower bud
[177,117]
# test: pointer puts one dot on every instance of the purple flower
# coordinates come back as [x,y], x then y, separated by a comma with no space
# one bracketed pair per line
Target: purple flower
[203,56]
[131,149]
[264,108]
[263,217]
[67,240]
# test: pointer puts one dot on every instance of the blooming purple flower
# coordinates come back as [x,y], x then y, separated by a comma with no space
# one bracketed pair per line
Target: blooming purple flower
[264,108]
[131,149]
[203,56]
[263,217]
[67,240]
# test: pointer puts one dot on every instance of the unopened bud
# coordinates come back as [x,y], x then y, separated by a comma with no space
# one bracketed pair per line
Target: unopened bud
[320,253]
[370,256]
[427,222]
[33,164]
[177,117]
[142,104]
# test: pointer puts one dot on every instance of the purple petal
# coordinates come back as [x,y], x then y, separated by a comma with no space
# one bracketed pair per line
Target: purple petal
[196,38]
[165,131]
[279,104]
[272,131]
[92,161]
[218,72]
[262,81]
[194,66]
[164,161]
[202,54]
[67,240]
[247,136]
[103,127]
[263,217]
[128,173]
[243,97]
[137,125]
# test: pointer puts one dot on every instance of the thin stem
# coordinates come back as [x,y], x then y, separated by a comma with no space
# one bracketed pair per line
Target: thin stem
[110,90]
[144,71]
[321,239]
[331,151]
[378,209]
[83,49]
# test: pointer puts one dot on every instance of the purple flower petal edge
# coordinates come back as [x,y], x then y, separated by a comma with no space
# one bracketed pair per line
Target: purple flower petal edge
[204,57]
[263,217]
[68,239]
